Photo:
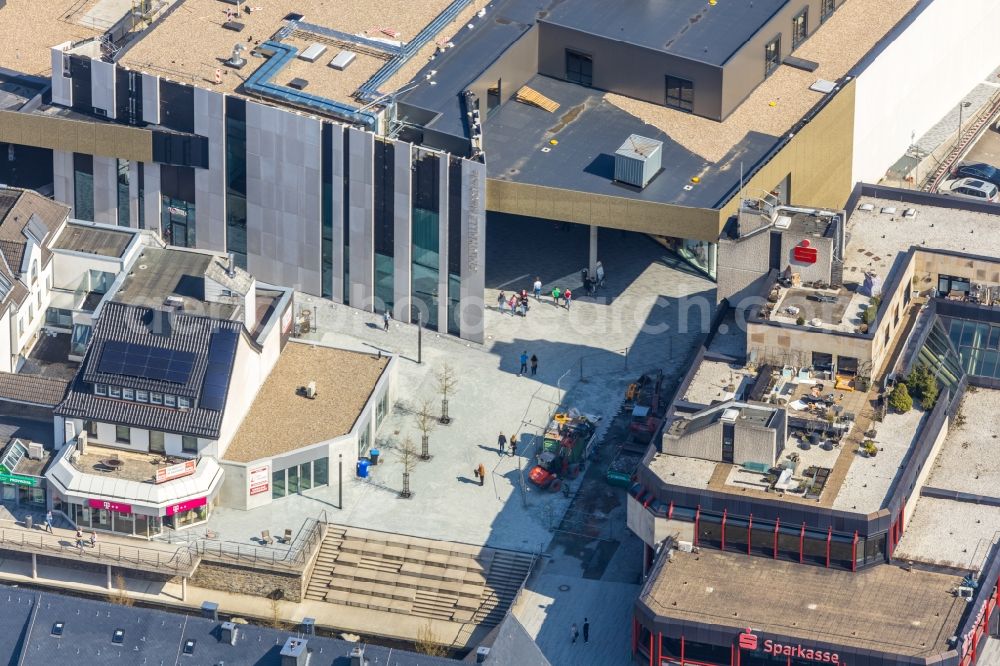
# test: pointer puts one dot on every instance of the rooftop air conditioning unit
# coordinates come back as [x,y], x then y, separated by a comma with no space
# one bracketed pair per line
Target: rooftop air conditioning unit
[36,451]
[311,390]
[174,302]
[638,160]
[730,415]
[685,546]
[966,592]
[783,222]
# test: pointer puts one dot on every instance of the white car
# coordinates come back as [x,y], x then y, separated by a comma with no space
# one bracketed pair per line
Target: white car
[970,188]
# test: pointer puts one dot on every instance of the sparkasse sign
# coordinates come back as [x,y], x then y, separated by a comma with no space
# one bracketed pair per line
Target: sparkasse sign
[750,641]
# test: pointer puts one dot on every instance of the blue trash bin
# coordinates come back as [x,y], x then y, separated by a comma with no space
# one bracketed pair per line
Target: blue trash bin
[363,468]
[373,456]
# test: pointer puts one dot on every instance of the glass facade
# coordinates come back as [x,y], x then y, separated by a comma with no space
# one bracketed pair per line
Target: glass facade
[297,478]
[123,194]
[347,219]
[978,345]
[426,239]
[141,189]
[83,187]
[940,356]
[454,245]
[236,179]
[327,210]
[385,183]
[177,224]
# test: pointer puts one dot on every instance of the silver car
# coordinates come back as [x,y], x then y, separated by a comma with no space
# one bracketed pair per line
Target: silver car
[971,188]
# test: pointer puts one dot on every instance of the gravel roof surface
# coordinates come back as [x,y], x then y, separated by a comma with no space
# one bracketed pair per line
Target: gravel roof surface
[968,460]
[947,532]
[190,43]
[280,420]
[876,237]
[837,46]
[31,28]
[869,480]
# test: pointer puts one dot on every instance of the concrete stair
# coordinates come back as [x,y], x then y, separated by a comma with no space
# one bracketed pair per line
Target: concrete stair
[399,574]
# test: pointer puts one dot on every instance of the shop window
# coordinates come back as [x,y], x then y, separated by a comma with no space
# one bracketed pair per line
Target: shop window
[278,483]
[156,443]
[680,93]
[814,547]
[123,434]
[737,534]
[762,539]
[381,408]
[579,68]
[321,472]
[772,55]
[788,543]
[364,440]
[874,548]
[800,28]
[710,530]
[189,444]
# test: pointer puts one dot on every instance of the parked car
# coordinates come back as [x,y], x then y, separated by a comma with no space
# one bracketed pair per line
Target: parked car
[970,188]
[979,171]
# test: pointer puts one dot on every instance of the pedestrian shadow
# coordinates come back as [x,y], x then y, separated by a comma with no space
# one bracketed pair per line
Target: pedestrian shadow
[371,324]
[465,479]
[490,449]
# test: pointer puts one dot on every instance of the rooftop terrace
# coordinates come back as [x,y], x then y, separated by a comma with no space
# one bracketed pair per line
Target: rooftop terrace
[282,419]
[39,26]
[881,608]
[827,309]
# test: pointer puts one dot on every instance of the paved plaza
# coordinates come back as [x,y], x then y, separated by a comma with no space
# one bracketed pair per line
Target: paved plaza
[582,364]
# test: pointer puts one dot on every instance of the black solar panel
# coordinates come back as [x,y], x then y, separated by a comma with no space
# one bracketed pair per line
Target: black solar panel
[143,361]
[221,354]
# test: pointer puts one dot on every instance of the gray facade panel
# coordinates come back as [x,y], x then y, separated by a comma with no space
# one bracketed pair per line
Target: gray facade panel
[151,196]
[151,99]
[337,212]
[105,190]
[133,194]
[361,222]
[473,267]
[402,229]
[210,183]
[62,177]
[102,86]
[284,221]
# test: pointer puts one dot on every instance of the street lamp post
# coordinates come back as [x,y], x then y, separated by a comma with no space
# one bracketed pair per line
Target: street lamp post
[961,107]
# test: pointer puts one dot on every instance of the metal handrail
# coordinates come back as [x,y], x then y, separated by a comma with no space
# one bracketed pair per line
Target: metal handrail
[181,558]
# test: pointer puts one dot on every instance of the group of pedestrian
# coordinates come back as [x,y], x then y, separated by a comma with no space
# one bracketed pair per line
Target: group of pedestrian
[502,444]
[592,282]
[80,541]
[517,303]
[574,633]
[524,364]
[562,295]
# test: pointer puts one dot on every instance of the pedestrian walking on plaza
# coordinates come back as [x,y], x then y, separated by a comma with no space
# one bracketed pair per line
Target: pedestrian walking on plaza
[501,300]
[538,288]
[48,522]
[93,539]
[567,297]
[534,365]
[600,276]
[573,633]
[481,473]
[386,318]
[501,443]
[513,304]
[79,538]
[524,364]
[513,444]
[586,630]
[556,295]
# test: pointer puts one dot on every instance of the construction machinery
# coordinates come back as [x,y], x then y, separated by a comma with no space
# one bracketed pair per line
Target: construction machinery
[564,448]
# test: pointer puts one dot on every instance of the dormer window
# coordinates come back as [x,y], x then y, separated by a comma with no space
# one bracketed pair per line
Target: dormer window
[100,389]
[115,391]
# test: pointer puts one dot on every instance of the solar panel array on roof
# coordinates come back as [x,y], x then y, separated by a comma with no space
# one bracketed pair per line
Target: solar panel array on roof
[221,354]
[132,360]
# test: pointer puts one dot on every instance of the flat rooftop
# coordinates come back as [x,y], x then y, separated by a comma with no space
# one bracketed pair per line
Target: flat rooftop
[690,29]
[191,44]
[162,272]
[89,239]
[826,309]
[282,419]
[122,464]
[713,379]
[881,608]
[877,237]
[959,533]
[39,26]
